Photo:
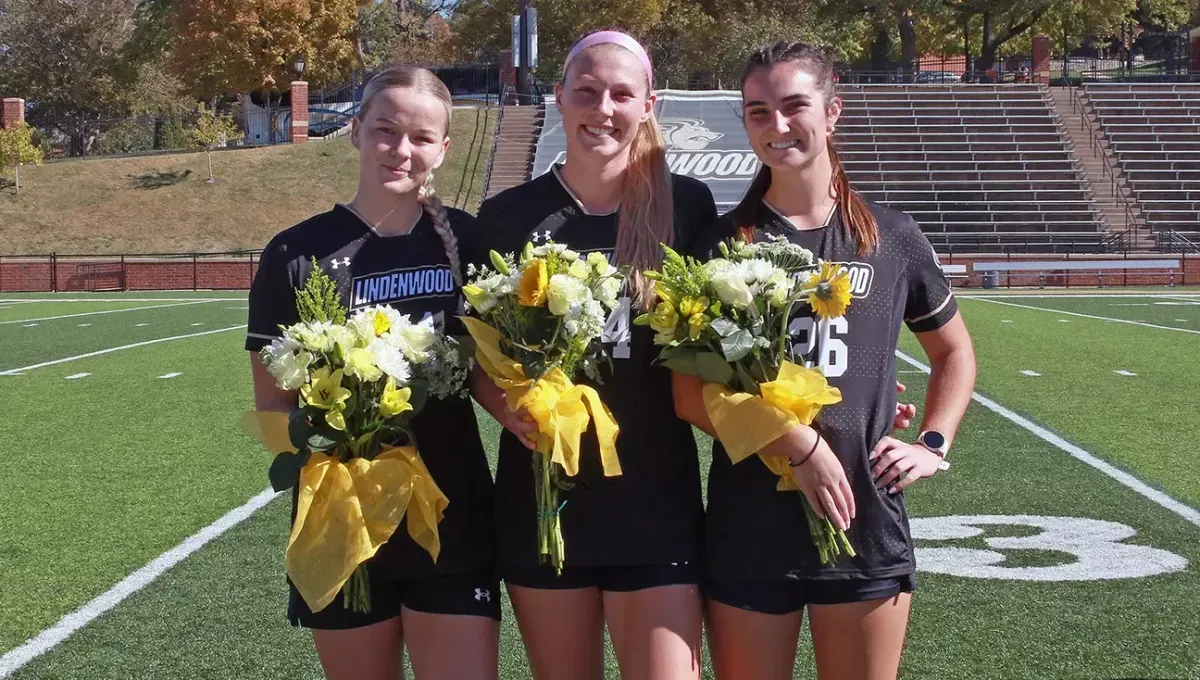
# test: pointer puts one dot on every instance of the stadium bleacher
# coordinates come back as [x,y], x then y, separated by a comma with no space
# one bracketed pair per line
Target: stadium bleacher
[981,167]
[1152,130]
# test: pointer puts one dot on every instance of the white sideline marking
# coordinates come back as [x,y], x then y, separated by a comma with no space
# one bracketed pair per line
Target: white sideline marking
[139,325]
[77,376]
[84,325]
[1064,321]
[46,640]
[1031,374]
[1178,303]
[1006,321]
[1090,316]
[1181,320]
[1126,374]
[108,311]
[168,376]
[1071,296]
[117,349]
[1136,304]
[28,325]
[1138,486]
[198,323]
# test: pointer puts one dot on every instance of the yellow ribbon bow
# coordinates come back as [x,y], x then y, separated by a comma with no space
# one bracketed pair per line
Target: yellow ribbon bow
[561,408]
[346,511]
[745,423]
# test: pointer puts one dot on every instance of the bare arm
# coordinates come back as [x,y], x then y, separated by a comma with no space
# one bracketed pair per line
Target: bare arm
[952,380]
[267,396]
[492,399]
[897,464]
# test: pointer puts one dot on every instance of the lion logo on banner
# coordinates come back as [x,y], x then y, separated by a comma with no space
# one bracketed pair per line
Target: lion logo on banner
[688,134]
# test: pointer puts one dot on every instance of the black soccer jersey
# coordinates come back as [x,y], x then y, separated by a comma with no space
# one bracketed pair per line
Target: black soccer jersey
[753,531]
[653,512]
[410,273]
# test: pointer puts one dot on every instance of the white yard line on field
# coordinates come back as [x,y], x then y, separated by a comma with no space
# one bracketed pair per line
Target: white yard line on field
[107,311]
[117,349]
[12,661]
[123,299]
[1088,316]
[1138,486]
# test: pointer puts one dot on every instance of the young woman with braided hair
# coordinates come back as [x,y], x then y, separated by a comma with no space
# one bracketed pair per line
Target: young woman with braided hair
[396,244]
[761,568]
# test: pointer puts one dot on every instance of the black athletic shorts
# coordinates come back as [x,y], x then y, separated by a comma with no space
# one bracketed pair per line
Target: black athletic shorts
[473,594]
[790,596]
[619,579]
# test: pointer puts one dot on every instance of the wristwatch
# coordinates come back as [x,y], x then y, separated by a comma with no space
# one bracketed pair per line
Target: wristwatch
[936,441]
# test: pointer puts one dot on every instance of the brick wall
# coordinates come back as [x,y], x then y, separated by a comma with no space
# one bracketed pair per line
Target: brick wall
[236,274]
[12,112]
[83,275]
[299,112]
[1189,274]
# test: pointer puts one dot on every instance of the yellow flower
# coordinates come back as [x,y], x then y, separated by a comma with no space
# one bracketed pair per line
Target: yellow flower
[534,282]
[830,294]
[336,418]
[663,291]
[360,362]
[325,390]
[690,307]
[382,324]
[697,324]
[394,401]
[664,317]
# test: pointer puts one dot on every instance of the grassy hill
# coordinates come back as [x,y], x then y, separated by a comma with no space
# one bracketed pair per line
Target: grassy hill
[163,204]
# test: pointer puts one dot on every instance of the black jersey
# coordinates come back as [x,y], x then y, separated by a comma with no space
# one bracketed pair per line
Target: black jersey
[653,512]
[410,273]
[754,531]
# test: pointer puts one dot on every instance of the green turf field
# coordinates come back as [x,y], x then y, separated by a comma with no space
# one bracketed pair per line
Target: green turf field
[1060,544]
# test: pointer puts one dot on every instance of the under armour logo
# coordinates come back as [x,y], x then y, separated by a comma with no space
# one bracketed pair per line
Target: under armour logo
[539,236]
[482,594]
[345,262]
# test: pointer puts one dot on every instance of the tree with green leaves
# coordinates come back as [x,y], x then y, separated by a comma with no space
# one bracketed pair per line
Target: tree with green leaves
[213,130]
[17,148]
[68,60]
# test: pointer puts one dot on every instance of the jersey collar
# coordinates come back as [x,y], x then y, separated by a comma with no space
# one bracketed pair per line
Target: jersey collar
[556,169]
[783,219]
[370,227]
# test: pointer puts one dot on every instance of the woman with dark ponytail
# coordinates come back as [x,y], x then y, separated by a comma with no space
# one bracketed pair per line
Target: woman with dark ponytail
[632,541]
[761,568]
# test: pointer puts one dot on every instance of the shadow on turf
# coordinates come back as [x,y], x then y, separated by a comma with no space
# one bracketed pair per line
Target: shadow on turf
[158,180]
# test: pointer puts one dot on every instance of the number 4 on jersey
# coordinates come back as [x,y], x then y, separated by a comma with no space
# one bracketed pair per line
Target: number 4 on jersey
[616,330]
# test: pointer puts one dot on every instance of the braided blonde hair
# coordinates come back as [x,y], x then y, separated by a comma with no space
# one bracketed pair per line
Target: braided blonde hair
[422,81]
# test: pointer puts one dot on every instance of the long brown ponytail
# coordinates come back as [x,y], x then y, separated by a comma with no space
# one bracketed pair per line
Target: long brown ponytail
[856,215]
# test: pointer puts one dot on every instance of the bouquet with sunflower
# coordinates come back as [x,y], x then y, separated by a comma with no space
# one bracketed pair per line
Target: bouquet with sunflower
[348,447]
[541,317]
[726,320]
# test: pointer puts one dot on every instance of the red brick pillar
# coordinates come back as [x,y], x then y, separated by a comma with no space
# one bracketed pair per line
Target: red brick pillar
[508,74]
[13,112]
[299,112]
[1195,50]
[1041,59]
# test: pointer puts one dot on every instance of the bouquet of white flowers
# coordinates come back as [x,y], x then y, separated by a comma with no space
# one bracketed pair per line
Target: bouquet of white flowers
[542,319]
[348,447]
[726,320]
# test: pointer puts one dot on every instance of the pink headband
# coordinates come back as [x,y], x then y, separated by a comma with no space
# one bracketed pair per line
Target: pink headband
[615,38]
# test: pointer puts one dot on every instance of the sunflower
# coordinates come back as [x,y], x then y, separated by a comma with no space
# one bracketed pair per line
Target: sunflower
[830,294]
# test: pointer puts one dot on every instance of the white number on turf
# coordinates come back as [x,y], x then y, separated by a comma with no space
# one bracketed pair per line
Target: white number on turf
[833,356]
[1094,543]
[616,330]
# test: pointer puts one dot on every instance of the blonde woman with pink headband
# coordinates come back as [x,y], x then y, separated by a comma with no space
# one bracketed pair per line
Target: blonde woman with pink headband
[633,541]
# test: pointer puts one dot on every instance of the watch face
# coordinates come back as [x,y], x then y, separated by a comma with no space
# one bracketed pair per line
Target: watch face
[933,440]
